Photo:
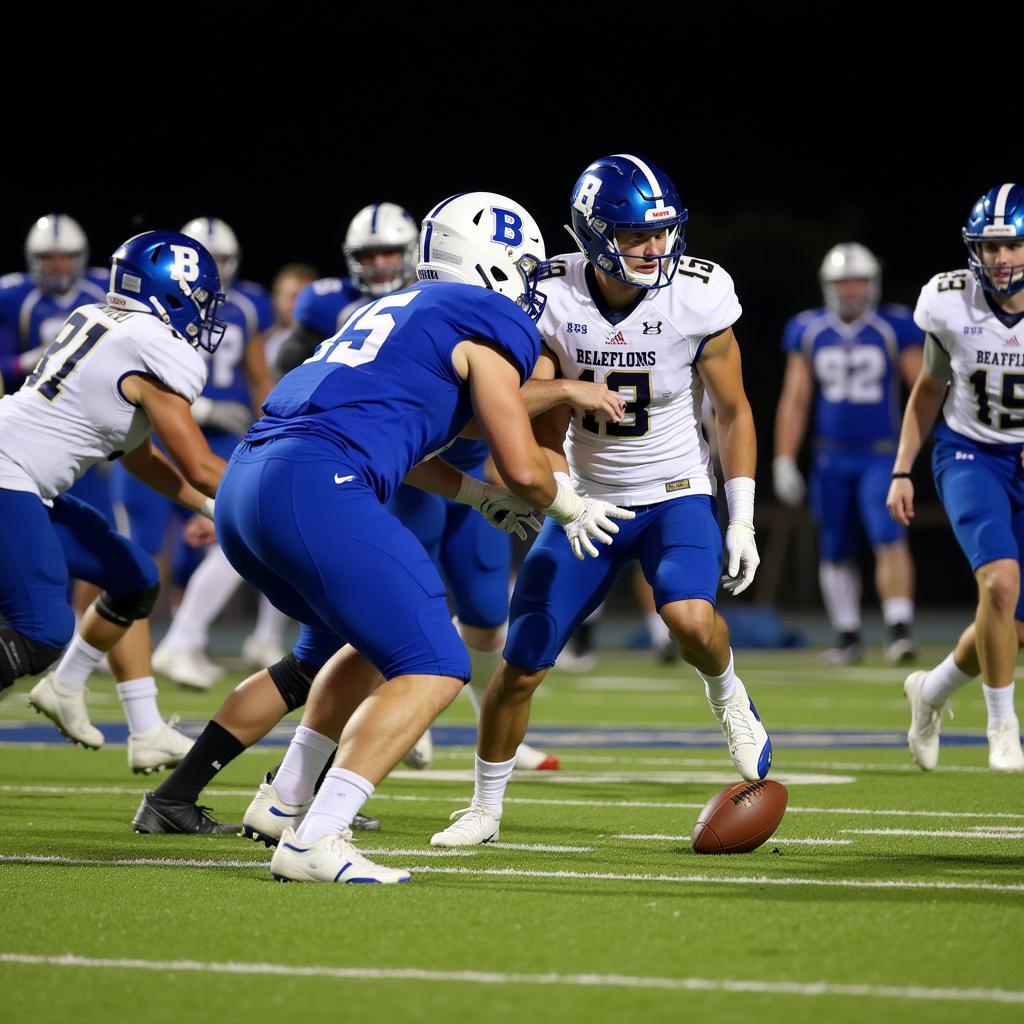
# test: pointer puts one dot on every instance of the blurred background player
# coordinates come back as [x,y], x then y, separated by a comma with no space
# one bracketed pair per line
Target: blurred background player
[848,359]
[115,371]
[237,383]
[974,372]
[284,292]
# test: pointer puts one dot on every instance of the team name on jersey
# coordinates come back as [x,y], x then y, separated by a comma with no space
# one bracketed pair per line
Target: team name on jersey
[985,358]
[590,357]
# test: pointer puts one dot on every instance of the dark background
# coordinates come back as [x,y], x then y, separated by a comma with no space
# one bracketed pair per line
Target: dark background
[786,130]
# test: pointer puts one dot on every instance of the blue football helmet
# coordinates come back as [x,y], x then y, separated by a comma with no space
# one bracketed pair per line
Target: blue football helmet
[997,215]
[174,277]
[627,193]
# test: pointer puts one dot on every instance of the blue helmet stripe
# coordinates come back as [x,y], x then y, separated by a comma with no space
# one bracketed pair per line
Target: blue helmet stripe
[426,241]
[373,219]
[444,202]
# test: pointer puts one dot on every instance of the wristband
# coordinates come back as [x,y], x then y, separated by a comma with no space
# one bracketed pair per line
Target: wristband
[739,495]
[206,509]
[900,476]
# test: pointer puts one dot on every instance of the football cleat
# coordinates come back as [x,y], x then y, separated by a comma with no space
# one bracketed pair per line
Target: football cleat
[473,826]
[749,745]
[900,651]
[925,723]
[261,651]
[532,759]
[163,746]
[156,816]
[331,859]
[422,754]
[66,709]
[1004,749]
[186,667]
[267,816]
[843,654]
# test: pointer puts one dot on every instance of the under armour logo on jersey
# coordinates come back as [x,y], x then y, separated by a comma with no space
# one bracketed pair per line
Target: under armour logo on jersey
[339,479]
[654,328]
[186,263]
[508,227]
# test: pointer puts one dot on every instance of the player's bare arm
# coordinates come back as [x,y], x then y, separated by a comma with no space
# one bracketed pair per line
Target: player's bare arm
[148,464]
[721,371]
[257,372]
[172,420]
[794,406]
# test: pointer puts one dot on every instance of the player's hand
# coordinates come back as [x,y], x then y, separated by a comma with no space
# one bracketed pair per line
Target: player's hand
[231,417]
[594,396]
[199,532]
[900,500]
[593,522]
[788,481]
[499,507]
[743,558]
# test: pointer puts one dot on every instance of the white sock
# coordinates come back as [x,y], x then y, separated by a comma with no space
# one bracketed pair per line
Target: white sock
[491,779]
[138,698]
[943,681]
[303,762]
[77,664]
[999,701]
[840,590]
[340,799]
[206,594]
[656,628]
[897,609]
[270,622]
[721,689]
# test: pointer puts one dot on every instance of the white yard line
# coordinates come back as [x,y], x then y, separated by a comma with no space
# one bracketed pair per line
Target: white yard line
[744,985]
[723,778]
[772,841]
[998,833]
[597,876]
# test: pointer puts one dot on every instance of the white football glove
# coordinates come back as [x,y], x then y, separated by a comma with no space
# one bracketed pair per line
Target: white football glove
[231,417]
[584,519]
[499,507]
[740,549]
[788,481]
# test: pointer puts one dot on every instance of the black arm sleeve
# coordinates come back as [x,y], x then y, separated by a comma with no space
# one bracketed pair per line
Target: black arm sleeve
[296,349]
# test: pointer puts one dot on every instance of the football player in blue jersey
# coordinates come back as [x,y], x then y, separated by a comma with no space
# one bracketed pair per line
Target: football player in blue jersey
[388,391]
[848,359]
[974,372]
[237,383]
[116,370]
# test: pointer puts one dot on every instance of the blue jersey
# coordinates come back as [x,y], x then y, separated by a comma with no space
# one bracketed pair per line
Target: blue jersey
[856,369]
[384,390]
[247,312]
[30,317]
[323,306]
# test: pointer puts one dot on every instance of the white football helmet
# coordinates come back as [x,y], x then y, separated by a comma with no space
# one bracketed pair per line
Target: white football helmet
[847,261]
[220,242]
[484,239]
[387,227]
[56,233]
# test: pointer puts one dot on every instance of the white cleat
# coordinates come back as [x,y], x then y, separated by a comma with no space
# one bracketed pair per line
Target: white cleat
[925,723]
[261,651]
[422,754]
[186,667]
[1004,749]
[532,759]
[749,745]
[66,709]
[331,859]
[473,826]
[163,746]
[268,815]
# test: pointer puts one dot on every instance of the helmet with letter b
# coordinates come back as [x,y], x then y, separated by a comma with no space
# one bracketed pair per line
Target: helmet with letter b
[997,216]
[627,193]
[173,277]
[485,239]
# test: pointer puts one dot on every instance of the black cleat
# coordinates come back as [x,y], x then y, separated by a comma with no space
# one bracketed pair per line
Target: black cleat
[156,816]
[363,823]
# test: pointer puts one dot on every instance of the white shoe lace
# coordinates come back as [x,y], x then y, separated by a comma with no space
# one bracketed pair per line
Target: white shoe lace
[469,821]
[738,728]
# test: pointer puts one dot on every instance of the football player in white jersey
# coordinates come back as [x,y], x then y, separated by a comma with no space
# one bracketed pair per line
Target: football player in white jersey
[115,371]
[657,328]
[974,372]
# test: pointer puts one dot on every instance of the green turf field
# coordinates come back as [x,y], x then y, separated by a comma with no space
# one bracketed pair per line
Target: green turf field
[886,892]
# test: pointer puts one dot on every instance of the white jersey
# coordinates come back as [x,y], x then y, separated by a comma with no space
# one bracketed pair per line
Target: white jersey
[70,412]
[659,451]
[986,400]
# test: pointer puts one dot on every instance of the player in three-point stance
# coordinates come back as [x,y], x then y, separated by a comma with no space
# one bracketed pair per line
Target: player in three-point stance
[974,372]
[657,329]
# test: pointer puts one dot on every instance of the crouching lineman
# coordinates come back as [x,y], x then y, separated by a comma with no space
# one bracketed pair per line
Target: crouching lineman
[658,329]
[115,371]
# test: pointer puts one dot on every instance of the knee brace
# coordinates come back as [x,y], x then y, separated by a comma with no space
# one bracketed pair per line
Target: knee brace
[124,609]
[293,678]
[21,656]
